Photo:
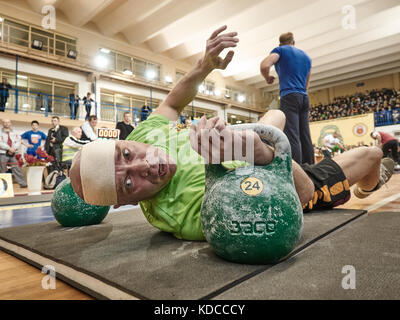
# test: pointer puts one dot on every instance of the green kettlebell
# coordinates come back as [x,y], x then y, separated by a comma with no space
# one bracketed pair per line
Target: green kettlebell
[71,211]
[253,214]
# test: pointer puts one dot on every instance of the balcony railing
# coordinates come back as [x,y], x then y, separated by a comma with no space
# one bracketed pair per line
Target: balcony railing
[387,117]
[33,102]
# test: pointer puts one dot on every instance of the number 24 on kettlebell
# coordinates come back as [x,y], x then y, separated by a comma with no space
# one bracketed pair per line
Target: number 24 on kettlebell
[251,186]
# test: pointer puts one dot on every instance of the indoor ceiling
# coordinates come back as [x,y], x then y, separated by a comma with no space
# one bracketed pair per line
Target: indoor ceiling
[179,28]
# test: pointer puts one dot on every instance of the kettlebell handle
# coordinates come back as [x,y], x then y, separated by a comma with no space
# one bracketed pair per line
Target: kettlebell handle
[269,134]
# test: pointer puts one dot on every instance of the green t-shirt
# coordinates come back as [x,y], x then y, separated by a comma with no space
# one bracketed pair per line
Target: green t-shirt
[176,208]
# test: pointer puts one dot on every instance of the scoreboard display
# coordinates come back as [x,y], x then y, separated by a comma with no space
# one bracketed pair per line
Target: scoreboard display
[107,133]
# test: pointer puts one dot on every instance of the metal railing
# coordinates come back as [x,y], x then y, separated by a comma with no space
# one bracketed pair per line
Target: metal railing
[387,117]
[109,112]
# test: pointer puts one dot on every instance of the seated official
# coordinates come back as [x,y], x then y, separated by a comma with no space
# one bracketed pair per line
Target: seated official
[72,144]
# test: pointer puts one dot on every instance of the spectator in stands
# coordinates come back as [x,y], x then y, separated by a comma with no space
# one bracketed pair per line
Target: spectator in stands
[145,112]
[389,145]
[87,101]
[76,107]
[125,127]
[55,138]
[4,94]
[73,105]
[39,102]
[10,143]
[72,144]
[89,131]
[34,138]
[382,102]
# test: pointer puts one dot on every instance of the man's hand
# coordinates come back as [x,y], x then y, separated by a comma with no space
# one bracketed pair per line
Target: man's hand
[211,139]
[53,140]
[215,44]
[270,79]
[11,150]
[216,143]
[186,89]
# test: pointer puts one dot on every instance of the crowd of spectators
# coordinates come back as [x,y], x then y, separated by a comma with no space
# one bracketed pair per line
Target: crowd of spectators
[384,102]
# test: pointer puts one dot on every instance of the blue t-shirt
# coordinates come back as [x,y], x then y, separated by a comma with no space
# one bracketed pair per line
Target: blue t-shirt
[293,68]
[34,138]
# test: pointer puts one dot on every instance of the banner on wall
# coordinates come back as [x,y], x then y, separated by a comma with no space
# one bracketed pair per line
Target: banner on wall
[352,130]
[6,185]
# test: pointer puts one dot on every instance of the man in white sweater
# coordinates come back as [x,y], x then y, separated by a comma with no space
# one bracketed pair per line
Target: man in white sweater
[10,143]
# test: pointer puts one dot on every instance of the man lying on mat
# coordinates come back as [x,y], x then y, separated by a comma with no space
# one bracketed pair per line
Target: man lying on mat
[158,167]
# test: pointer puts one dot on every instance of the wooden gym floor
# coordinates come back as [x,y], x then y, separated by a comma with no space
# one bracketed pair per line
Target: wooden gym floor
[20,281]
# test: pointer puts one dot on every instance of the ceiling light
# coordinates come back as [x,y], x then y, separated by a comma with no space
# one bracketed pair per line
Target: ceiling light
[22,77]
[217,92]
[241,98]
[233,117]
[128,72]
[150,74]
[227,96]
[72,54]
[37,44]
[104,50]
[168,79]
[101,61]
[201,88]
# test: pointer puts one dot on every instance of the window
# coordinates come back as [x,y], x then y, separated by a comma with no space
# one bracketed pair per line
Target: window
[179,75]
[123,63]
[16,33]
[237,95]
[120,62]
[48,42]
[113,105]
[197,113]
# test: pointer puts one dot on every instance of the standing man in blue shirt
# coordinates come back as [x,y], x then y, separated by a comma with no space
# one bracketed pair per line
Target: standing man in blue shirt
[294,68]
[34,138]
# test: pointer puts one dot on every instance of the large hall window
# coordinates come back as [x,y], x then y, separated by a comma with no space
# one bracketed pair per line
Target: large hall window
[36,38]
[114,104]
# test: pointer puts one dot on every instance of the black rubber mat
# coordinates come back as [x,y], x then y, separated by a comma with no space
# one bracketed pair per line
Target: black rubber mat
[127,253]
[359,261]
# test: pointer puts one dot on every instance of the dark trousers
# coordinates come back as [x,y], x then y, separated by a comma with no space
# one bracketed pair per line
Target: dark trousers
[56,153]
[390,150]
[74,110]
[296,107]
[88,109]
[3,101]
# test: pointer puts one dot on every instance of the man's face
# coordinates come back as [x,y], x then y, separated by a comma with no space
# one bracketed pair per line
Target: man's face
[6,124]
[54,121]
[77,133]
[35,126]
[141,171]
[127,118]
[93,123]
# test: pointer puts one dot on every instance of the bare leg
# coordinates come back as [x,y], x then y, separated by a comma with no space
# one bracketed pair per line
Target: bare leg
[361,166]
[303,184]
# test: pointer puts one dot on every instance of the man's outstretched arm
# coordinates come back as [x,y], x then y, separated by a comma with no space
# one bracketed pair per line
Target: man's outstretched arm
[266,65]
[186,89]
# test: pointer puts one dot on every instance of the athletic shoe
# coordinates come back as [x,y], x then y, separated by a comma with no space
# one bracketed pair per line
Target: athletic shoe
[387,169]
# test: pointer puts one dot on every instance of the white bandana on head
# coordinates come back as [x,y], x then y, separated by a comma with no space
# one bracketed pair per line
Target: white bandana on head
[98,157]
